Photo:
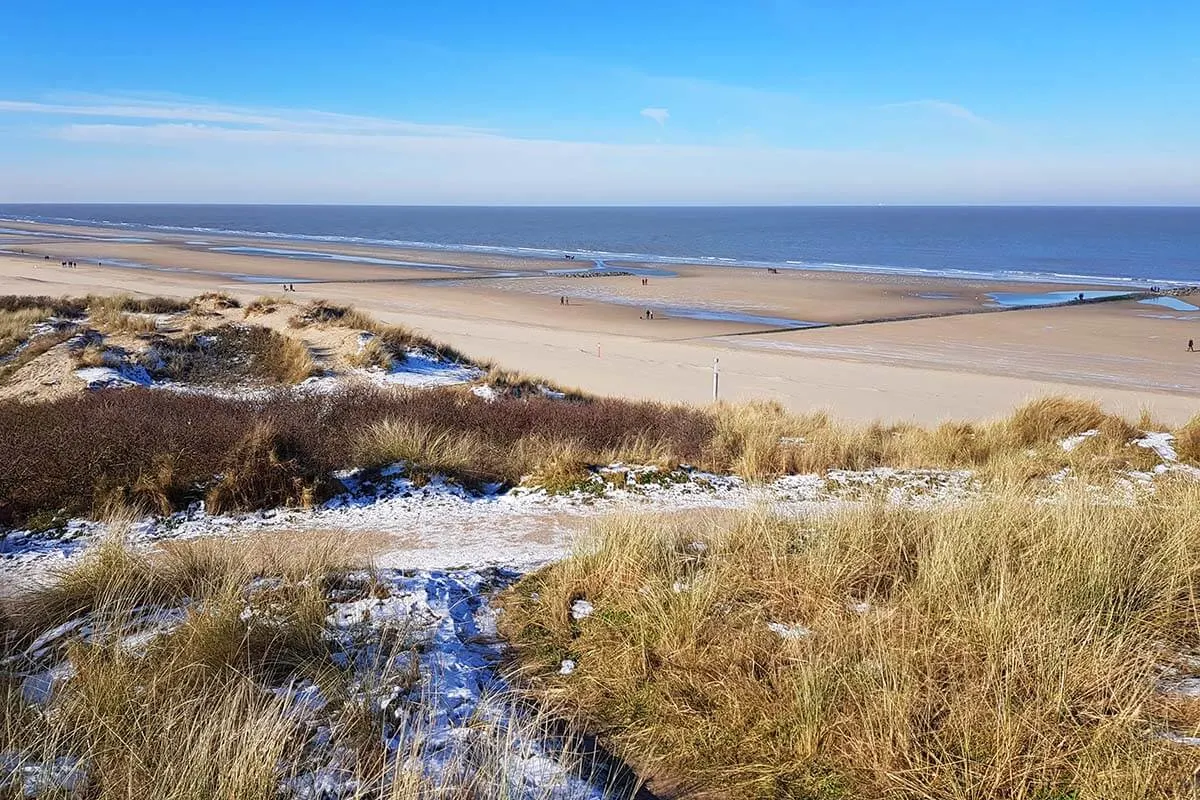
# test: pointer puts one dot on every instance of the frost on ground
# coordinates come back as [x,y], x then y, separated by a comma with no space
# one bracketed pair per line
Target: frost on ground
[788,631]
[1131,482]
[118,377]
[1071,442]
[418,370]
[439,524]
[420,649]
[1160,443]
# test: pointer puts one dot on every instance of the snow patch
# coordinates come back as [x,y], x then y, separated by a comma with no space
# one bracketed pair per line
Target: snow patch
[1160,443]
[789,631]
[1071,442]
[420,647]
[425,370]
[488,393]
[118,377]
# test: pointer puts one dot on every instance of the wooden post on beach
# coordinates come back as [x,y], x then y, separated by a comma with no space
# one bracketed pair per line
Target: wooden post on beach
[716,378]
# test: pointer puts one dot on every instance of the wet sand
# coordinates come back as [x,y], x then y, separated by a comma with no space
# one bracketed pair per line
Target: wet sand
[1125,354]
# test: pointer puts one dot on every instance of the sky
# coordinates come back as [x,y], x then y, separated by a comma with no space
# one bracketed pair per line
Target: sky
[572,102]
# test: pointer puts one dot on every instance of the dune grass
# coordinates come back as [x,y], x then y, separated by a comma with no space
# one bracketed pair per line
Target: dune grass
[161,450]
[762,440]
[189,713]
[196,678]
[322,312]
[374,354]
[392,342]
[214,301]
[110,320]
[263,305]
[422,447]
[136,305]
[1003,648]
[231,354]
[34,348]
[15,326]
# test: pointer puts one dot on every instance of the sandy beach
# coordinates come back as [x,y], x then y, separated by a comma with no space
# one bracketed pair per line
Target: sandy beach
[511,310]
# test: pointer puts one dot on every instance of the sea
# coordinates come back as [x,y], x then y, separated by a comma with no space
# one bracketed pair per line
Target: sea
[1105,245]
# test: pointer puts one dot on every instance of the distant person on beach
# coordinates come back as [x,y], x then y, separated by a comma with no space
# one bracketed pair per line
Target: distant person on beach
[1081,297]
[1191,345]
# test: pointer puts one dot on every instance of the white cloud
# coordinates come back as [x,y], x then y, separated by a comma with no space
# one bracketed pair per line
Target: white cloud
[175,150]
[659,115]
[944,108]
[232,116]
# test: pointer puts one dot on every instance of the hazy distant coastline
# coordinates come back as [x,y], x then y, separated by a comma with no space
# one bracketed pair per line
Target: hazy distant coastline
[1115,246]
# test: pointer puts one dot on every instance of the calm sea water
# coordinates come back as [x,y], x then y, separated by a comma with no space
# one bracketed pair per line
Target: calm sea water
[1114,245]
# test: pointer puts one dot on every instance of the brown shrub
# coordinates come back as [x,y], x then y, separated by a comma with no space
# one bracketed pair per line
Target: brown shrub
[136,305]
[81,454]
[57,306]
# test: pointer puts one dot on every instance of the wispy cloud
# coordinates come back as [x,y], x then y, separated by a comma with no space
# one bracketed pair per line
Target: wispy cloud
[659,115]
[233,117]
[945,109]
[139,148]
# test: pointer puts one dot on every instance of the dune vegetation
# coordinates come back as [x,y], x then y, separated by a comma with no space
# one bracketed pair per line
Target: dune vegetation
[159,451]
[1000,648]
[1034,638]
[229,669]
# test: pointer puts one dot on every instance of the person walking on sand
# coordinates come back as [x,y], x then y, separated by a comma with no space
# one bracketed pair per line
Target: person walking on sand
[1191,345]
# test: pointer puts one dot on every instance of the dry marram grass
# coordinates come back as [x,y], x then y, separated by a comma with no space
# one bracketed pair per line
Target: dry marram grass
[1002,648]
[206,707]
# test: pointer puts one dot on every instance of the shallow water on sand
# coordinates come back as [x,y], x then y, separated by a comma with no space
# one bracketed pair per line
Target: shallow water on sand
[313,255]
[1023,299]
[1173,303]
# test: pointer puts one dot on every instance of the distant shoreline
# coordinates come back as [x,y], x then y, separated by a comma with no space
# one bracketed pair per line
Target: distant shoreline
[618,258]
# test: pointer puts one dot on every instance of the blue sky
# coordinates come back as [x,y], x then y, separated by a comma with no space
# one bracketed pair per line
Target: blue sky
[760,101]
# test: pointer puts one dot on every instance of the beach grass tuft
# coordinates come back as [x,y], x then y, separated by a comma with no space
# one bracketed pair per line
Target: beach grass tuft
[1000,648]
